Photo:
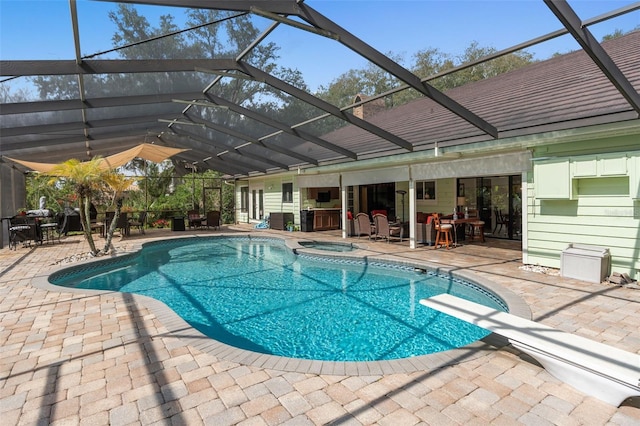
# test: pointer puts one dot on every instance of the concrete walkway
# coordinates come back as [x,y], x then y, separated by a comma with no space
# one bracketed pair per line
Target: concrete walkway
[78,358]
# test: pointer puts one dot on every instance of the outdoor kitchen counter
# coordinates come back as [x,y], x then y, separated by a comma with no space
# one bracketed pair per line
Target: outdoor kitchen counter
[326,219]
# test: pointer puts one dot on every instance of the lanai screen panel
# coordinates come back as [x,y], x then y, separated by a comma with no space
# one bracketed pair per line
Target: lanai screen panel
[262,62]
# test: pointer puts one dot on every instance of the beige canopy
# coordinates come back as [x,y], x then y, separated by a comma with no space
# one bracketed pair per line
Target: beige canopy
[147,151]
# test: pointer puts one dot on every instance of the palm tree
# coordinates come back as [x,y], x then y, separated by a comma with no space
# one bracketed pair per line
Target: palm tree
[86,177]
[118,184]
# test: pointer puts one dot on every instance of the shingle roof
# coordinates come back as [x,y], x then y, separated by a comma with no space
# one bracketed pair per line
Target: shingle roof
[559,93]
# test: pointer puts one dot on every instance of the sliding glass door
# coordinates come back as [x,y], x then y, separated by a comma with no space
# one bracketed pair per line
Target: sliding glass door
[496,200]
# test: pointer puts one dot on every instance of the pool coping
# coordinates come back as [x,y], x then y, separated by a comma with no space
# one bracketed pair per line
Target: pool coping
[179,328]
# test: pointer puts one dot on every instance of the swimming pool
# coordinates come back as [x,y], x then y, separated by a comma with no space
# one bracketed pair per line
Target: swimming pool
[256,294]
[328,246]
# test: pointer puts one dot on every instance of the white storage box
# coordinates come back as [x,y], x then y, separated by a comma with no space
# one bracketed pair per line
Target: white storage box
[586,263]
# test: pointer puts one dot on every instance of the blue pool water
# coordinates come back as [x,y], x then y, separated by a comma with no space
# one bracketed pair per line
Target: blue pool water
[258,295]
[323,245]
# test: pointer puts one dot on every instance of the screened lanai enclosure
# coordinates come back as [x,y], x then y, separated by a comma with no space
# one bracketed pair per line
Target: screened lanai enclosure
[226,80]
[252,88]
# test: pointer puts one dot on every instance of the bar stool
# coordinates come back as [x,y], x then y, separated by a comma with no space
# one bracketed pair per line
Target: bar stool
[444,229]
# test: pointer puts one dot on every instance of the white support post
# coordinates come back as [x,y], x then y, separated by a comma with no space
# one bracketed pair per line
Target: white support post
[412,214]
[343,211]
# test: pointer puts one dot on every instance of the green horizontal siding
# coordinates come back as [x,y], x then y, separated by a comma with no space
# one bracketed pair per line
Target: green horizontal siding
[273,198]
[602,214]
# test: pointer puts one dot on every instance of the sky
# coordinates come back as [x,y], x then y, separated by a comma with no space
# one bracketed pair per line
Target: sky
[41,29]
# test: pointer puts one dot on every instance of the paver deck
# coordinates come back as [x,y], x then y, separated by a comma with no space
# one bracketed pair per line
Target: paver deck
[80,358]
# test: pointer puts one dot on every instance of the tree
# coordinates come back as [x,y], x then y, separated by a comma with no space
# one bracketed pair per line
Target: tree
[118,185]
[486,69]
[153,179]
[370,80]
[85,177]
[426,63]
[618,33]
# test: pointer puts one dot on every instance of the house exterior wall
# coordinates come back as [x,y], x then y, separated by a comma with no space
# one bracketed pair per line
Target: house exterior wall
[273,197]
[584,189]
[586,193]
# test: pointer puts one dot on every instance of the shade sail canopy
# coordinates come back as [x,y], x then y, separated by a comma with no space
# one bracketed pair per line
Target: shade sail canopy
[147,151]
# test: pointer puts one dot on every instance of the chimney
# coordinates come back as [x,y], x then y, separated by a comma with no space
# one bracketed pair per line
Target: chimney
[368,109]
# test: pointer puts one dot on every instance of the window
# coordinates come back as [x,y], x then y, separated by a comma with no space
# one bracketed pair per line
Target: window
[287,192]
[426,190]
[244,199]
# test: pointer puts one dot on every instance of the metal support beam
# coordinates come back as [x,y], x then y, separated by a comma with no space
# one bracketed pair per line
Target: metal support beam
[588,42]
[106,102]
[79,125]
[318,20]
[303,136]
[260,75]
[212,147]
[286,7]
[250,139]
[110,66]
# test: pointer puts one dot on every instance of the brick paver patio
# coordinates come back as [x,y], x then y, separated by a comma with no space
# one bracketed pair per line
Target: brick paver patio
[80,358]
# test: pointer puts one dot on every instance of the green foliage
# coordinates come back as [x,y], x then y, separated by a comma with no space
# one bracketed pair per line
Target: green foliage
[427,63]
[617,33]
[58,196]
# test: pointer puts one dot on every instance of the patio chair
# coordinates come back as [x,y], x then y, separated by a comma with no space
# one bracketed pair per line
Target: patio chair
[49,228]
[363,225]
[20,231]
[194,218]
[384,229]
[139,223]
[442,230]
[123,224]
[501,220]
[213,219]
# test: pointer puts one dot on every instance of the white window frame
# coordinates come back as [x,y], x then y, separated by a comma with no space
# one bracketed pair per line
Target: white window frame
[421,188]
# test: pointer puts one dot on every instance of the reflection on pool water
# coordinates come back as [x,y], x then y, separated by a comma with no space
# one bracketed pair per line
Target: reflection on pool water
[256,294]
[328,246]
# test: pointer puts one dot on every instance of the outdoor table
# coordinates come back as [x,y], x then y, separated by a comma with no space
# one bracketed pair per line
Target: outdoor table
[456,223]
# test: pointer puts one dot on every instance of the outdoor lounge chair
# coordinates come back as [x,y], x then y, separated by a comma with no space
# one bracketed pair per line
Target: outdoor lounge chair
[384,230]
[363,225]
